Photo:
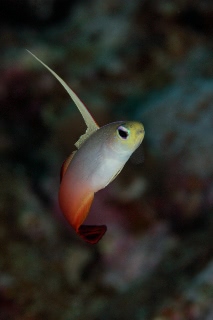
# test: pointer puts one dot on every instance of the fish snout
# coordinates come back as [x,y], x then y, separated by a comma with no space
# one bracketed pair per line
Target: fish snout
[140,133]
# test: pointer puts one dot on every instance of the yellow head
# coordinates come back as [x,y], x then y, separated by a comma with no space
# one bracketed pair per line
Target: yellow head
[125,136]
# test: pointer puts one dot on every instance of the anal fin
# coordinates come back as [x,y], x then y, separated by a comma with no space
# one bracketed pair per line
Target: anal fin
[91,234]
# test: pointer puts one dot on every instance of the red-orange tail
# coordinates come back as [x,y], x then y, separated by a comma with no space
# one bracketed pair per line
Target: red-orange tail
[91,234]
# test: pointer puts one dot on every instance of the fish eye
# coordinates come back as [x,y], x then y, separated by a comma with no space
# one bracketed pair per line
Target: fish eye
[123,132]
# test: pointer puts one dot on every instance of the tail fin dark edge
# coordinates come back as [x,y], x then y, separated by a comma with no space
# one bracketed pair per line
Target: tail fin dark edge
[91,234]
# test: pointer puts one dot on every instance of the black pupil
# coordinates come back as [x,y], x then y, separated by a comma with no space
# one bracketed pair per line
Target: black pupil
[123,133]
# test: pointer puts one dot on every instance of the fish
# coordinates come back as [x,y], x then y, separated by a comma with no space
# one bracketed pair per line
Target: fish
[100,155]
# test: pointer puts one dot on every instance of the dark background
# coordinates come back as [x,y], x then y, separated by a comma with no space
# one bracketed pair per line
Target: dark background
[150,61]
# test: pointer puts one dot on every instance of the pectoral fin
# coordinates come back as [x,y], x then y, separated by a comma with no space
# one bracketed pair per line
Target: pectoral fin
[113,178]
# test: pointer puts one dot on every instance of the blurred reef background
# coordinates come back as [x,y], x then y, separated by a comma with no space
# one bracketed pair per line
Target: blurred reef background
[146,60]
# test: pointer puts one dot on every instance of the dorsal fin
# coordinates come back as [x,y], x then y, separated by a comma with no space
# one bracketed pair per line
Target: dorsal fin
[65,165]
[90,122]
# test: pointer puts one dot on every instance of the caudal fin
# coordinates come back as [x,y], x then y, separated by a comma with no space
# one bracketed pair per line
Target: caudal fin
[91,234]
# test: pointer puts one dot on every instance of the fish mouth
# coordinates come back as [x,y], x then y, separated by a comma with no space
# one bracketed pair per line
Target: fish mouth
[141,133]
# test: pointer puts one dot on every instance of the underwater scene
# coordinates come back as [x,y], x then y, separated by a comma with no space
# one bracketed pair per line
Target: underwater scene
[122,228]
